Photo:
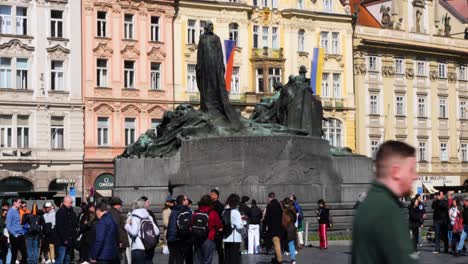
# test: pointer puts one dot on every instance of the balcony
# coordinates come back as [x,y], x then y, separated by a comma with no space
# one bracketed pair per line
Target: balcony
[268,53]
[16,153]
[329,103]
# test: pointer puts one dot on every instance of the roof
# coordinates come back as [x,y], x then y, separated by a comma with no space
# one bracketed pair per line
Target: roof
[365,18]
[459,6]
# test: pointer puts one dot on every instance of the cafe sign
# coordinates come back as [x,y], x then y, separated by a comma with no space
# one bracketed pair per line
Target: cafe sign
[104,182]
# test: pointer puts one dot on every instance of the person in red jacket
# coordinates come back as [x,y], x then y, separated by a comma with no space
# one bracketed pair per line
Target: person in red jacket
[205,224]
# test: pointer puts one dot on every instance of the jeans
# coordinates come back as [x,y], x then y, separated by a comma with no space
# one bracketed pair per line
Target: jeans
[115,261]
[204,253]
[219,248]
[462,238]
[441,232]
[142,256]
[32,244]
[18,244]
[254,239]
[292,249]
[63,255]
[415,231]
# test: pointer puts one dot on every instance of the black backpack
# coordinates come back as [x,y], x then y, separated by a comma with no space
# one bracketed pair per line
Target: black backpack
[35,227]
[184,218]
[227,226]
[200,229]
[147,235]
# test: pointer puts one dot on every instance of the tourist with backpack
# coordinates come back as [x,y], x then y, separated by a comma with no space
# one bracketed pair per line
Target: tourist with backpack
[34,226]
[205,224]
[178,232]
[144,233]
[232,230]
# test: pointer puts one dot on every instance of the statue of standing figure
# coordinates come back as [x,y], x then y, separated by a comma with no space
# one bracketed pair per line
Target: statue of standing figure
[447,27]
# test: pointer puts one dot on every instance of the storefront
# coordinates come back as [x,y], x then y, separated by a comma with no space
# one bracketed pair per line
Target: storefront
[427,184]
[104,185]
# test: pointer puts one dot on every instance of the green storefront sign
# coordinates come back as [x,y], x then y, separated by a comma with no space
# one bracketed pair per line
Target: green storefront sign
[104,182]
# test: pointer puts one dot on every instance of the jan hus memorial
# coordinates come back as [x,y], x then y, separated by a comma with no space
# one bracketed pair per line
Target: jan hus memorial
[279,148]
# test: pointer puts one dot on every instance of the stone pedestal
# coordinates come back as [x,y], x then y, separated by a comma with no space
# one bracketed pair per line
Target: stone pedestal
[252,166]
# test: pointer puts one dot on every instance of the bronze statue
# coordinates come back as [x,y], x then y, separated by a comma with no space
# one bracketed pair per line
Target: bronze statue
[447,27]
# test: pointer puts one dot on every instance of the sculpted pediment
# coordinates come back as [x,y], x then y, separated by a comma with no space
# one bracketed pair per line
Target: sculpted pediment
[58,52]
[130,52]
[16,44]
[156,53]
[102,50]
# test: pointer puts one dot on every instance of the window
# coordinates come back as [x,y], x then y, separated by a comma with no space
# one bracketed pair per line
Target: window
[129,74]
[300,4]
[442,107]
[399,66]
[21,73]
[333,132]
[154,125]
[374,147]
[235,81]
[274,75]
[101,72]
[400,105]
[234,33]
[191,29]
[5,20]
[464,152]
[129,131]
[442,70]
[300,40]
[274,4]
[265,36]
[22,131]
[155,76]
[5,72]
[56,80]
[463,110]
[191,78]
[462,73]
[422,107]
[324,41]
[56,24]
[373,63]
[154,28]
[327,6]
[337,85]
[21,21]
[422,151]
[6,131]
[274,38]
[255,37]
[374,104]
[326,85]
[56,132]
[259,82]
[335,48]
[101,24]
[443,152]
[128,26]
[421,68]
[103,131]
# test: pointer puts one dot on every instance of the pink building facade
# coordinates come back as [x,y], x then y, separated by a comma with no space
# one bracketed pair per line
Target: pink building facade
[127,78]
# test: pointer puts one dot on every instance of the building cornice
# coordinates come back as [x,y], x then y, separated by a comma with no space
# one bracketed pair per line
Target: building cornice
[317,15]
[203,4]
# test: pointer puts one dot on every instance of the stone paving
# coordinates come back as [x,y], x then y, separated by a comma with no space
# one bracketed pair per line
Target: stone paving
[336,254]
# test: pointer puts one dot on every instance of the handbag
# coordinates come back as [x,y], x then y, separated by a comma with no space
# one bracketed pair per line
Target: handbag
[458,225]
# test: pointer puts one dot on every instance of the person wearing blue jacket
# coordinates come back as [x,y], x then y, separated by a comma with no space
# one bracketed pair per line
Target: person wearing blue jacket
[180,248]
[106,245]
[16,232]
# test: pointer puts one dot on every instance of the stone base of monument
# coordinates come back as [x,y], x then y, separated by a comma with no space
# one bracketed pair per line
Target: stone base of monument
[251,165]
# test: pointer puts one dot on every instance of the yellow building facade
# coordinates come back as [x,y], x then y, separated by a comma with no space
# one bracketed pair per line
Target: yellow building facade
[411,82]
[274,38]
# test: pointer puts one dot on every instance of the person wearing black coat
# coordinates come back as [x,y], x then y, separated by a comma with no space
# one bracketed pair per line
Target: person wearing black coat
[273,225]
[65,229]
[255,218]
[87,231]
[323,217]
[219,208]
[414,221]
[440,217]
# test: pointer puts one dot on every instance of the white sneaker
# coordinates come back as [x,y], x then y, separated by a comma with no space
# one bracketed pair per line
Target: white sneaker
[48,261]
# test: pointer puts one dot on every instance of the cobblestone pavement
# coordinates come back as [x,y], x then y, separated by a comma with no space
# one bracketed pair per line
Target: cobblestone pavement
[336,254]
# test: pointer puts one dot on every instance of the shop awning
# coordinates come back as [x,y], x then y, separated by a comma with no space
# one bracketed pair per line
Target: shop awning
[429,188]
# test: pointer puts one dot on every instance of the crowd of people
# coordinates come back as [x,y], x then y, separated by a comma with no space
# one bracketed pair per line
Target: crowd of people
[101,233]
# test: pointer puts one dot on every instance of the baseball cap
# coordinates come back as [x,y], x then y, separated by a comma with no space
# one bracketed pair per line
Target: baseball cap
[47,205]
[169,198]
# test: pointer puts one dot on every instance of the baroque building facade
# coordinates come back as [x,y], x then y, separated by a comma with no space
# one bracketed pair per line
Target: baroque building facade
[273,39]
[41,110]
[127,78]
[411,82]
